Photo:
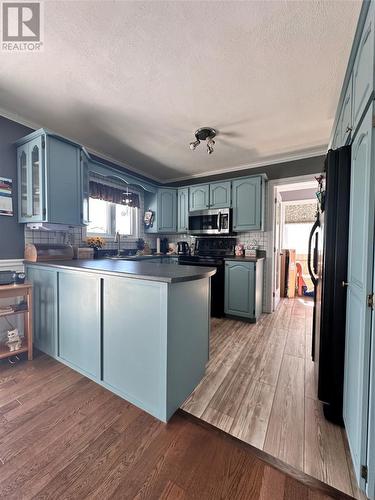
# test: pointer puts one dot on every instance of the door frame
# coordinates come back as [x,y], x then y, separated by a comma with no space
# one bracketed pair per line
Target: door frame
[270,261]
[277,247]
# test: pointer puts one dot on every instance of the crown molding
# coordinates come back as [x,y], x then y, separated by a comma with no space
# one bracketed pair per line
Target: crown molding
[320,151]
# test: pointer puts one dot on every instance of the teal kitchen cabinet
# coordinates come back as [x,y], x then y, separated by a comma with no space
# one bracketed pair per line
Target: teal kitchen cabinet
[243,288]
[199,197]
[50,177]
[346,123]
[220,194]
[80,321]
[359,313]
[167,210]
[182,210]
[31,175]
[248,203]
[163,204]
[363,69]
[153,355]
[44,308]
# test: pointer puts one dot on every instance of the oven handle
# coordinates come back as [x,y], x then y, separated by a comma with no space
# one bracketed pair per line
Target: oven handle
[219,222]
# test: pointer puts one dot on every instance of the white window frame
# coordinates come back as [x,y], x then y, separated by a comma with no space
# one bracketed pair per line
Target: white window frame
[111,216]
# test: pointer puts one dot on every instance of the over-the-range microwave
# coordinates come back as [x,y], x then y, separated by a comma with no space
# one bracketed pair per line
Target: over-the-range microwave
[210,221]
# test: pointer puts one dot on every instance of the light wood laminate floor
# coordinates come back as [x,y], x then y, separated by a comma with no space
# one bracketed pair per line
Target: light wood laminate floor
[63,437]
[259,386]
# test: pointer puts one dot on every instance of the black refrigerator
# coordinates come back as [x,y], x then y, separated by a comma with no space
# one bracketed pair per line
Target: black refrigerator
[328,262]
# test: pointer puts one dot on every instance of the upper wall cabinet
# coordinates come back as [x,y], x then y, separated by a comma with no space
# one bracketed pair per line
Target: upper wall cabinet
[213,195]
[363,70]
[220,194]
[167,210]
[199,197]
[50,176]
[248,200]
[182,209]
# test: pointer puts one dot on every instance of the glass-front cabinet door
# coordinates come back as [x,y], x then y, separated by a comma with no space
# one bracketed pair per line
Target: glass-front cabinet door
[22,155]
[30,168]
[36,179]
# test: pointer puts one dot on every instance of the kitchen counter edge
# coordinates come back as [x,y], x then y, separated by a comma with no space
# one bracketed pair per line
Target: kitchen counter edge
[164,273]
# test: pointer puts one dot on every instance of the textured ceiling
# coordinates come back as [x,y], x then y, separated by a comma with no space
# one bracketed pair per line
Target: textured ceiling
[133,80]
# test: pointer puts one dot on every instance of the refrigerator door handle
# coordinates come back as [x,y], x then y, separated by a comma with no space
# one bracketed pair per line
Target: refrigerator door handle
[315,259]
[315,226]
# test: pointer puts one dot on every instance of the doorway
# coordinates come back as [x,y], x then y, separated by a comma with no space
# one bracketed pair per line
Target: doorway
[294,215]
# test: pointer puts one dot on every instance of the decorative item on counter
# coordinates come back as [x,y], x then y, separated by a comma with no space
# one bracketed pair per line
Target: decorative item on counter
[251,249]
[164,245]
[239,250]
[14,340]
[95,242]
[158,246]
[148,219]
[172,248]
[83,253]
[147,249]
[140,243]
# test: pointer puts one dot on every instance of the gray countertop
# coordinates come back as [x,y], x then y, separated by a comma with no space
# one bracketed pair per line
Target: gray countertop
[133,269]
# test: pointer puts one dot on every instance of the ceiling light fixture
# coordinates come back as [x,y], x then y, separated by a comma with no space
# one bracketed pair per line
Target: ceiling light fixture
[204,134]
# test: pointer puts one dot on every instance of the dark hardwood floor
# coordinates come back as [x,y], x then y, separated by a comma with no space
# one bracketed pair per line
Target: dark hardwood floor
[65,437]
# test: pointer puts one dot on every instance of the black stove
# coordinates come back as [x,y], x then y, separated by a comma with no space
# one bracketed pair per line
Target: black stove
[211,252]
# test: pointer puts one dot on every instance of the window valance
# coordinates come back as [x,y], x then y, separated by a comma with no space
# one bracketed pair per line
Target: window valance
[114,195]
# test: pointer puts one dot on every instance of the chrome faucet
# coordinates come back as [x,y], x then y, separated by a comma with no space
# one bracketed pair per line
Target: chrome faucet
[118,241]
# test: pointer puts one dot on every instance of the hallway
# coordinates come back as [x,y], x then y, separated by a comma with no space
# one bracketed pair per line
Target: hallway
[259,386]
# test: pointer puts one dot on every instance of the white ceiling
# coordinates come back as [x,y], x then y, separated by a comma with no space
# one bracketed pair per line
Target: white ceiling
[132,80]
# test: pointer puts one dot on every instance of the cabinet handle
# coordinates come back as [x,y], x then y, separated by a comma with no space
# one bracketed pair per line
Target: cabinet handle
[344,284]
[348,129]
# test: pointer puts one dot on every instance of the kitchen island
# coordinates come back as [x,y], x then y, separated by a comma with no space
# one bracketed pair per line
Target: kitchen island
[140,329]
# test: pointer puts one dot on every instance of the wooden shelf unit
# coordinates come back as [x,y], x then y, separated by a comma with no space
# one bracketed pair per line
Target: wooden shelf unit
[10,291]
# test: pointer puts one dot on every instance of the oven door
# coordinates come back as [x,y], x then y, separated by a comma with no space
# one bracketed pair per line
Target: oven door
[210,222]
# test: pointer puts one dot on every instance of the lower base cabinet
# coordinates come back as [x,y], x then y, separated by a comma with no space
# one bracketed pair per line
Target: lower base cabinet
[80,321]
[145,340]
[44,309]
[133,339]
[243,289]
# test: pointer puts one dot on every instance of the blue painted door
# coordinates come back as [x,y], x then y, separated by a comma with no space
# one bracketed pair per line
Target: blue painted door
[199,197]
[79,321]
[220,194]
[363,70]
[247,204]
[44,308]
[182,209]
[240,289]
[167,210]
[360,269]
